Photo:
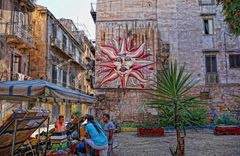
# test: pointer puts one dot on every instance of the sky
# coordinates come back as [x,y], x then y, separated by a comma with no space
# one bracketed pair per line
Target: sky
[77,10]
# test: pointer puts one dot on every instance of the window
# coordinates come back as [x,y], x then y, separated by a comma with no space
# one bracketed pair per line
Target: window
[234,61]
[54,74]
[54,31]
[72,81]
[102,37]
[64,78]
[21,20]
[207,2]
[211,64]
[73,49]
[208,26]
[64,39]
[1,4]
[16,66]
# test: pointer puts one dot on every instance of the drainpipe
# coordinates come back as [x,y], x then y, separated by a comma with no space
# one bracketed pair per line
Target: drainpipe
[225,51]
[47,49]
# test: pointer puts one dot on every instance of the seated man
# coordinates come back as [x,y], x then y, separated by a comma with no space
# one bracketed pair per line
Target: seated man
[60,124]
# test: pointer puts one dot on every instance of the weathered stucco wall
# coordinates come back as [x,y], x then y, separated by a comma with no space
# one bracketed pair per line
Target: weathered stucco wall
[178,25]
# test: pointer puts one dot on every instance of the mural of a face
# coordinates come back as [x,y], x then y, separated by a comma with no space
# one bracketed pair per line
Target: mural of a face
[123,63]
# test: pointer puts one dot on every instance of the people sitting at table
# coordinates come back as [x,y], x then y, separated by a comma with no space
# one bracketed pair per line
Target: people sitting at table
[60,124]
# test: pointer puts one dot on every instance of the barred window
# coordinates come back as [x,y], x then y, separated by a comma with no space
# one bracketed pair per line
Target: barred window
[234,61]
[211,64]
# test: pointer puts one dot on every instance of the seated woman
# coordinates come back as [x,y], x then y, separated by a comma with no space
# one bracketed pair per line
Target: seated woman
[95,136]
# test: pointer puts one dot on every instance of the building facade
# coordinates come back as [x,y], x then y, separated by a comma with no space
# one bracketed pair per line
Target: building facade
[191,32]
[17,43]
[62,59]
[88,53]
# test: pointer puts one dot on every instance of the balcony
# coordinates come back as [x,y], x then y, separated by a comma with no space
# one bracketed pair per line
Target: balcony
[29,4]
[88,57]
[18,36]
[88,76]
[59,45]
[19,76]
[211,78]
[56,43]
[93,11]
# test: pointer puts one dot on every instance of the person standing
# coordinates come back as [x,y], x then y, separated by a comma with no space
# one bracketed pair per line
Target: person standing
[109,131]
[95,136]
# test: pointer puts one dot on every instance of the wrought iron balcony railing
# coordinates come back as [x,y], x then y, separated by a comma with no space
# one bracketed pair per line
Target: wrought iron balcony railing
[17,32]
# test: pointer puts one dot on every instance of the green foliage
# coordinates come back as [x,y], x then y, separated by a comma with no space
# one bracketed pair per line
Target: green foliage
[149,124]
[129,125]
[226,119]
[231,10]
[171,97]
[76,113]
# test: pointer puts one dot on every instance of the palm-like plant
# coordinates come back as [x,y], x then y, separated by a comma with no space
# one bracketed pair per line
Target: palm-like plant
[176,106]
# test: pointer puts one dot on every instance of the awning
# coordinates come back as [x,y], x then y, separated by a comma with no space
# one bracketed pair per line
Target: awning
[39,89]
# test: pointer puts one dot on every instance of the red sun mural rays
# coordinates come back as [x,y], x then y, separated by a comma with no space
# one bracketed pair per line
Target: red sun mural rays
[124,63]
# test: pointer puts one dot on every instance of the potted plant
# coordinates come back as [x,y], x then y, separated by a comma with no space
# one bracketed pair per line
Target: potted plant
[227,125]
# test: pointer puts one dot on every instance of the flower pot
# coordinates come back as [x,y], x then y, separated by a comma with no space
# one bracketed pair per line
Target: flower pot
[227,130]
[150,131]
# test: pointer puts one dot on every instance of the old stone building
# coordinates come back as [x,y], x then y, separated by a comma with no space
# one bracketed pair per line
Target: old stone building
[191,32]
[61,55]
[16,41]
[88,53]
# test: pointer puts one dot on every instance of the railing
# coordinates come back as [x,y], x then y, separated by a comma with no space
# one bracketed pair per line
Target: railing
[55,42]
[19,76]
[93,11]
[22,32]
[212,78]
[30,3]
[93,7]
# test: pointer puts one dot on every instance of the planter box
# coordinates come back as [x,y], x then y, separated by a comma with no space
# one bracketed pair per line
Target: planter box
[128,129]
[227,130]
[150,131]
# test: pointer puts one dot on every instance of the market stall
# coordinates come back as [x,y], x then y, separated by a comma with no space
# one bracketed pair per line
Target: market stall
[33,90]
[21,125]
[18,127]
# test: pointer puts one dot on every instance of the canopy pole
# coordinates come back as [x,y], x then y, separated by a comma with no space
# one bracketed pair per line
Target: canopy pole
[14,137]
[46,142]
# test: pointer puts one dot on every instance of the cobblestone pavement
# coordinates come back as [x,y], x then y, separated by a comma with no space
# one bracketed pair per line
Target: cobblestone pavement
[202,143]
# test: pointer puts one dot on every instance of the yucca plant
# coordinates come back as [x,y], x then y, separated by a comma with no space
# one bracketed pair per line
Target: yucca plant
[176,106]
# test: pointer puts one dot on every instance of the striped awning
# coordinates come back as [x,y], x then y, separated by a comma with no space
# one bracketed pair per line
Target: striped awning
[39,89]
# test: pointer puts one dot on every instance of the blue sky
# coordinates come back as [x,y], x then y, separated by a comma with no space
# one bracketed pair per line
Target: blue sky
[77,10]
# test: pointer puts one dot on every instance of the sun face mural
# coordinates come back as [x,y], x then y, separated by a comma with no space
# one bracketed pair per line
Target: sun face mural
[123,63]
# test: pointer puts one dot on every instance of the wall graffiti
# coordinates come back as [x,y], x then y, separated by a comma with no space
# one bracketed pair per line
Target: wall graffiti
[124,61]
